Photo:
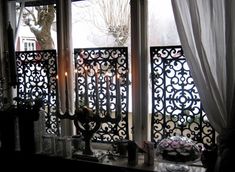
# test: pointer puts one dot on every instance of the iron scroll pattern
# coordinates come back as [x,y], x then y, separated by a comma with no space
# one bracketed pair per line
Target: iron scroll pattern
[37,79]
[176,109]
[111,62]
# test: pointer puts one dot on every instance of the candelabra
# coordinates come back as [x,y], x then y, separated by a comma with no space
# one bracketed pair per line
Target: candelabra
[88,123]
[92,112]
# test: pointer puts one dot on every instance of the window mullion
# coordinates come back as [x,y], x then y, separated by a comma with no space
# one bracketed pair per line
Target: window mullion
[139,63]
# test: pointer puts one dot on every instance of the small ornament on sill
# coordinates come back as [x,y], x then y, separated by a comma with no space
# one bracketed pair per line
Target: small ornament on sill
[63,147]
[132,153]
[76,143]
[149,153]
[178,149]
[121,146]
[48,146]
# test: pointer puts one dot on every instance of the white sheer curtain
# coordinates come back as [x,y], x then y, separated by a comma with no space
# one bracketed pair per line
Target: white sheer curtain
[206,29]
[207,33]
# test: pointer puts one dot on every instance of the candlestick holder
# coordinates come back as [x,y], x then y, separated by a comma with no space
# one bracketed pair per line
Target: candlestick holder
[88,123]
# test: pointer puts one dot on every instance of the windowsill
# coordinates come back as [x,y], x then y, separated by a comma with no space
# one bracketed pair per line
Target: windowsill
[107,164]
[158,165]
[114,163]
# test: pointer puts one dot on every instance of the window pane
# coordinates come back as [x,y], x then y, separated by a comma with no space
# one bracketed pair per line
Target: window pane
[162,27]
[101,23]
[176,105]
[36,23]
[37,69]
[101,30]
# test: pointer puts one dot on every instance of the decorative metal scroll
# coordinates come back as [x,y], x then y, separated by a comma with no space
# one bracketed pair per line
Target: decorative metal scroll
[104,72]
[176,109]
[37,79]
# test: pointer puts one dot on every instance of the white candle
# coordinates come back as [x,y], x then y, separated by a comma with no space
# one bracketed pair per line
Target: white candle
[107,94]
[66,91]
[57,91]
[96,91]
[86,88]
[118,93]
[76,89]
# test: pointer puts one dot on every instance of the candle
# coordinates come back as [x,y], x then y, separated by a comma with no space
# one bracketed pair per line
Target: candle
[118,93]
[107,94]
[76,89]
[96,91]
[86,87]
[57,91]
[66,91]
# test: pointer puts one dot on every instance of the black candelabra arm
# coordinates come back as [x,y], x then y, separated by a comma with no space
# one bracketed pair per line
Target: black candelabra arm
[65,115]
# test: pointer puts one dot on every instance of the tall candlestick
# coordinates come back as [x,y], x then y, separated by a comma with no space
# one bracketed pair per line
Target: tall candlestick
[76,89]
[66,91]
[86,88]
[107,94]
[96,91]
[118,93]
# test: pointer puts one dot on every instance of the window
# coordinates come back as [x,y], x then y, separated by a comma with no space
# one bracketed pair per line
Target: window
[36,59]
[29,45]
[100,37]
[103,39]
[176,107]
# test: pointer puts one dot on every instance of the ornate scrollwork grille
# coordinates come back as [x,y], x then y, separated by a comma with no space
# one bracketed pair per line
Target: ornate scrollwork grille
[37,79]
[106,62]
[177,109]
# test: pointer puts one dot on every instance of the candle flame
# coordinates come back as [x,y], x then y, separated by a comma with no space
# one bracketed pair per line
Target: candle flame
[57,77]
[65,73]
[118,76]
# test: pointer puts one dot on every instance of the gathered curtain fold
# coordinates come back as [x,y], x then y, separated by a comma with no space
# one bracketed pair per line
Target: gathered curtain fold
[206,29]
[207,33]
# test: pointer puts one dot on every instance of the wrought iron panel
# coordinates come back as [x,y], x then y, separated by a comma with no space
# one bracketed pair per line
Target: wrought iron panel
[96,66]
[37,79]
[176,109]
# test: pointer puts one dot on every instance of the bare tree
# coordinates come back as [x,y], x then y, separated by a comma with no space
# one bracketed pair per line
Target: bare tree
[113,17]
[40,20]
